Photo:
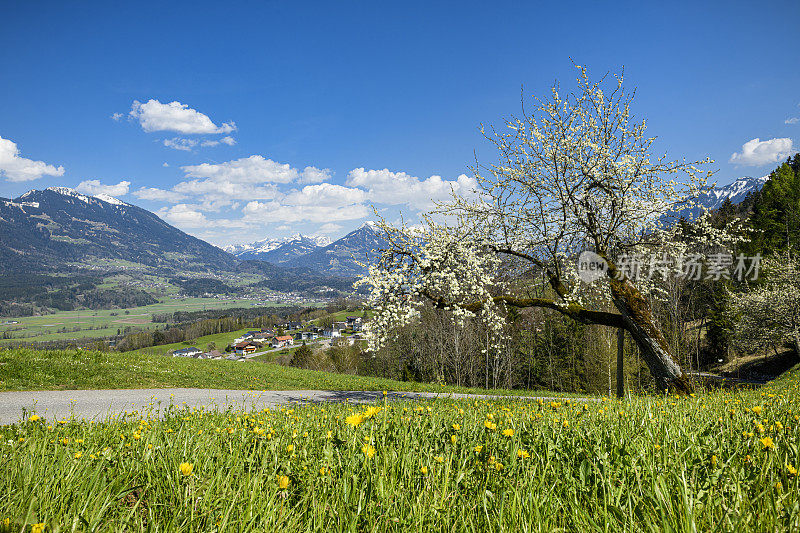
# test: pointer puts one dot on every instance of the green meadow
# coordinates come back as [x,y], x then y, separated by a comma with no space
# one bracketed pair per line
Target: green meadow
[720,461]
[67,325]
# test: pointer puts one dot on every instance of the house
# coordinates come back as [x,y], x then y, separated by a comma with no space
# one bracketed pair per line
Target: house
[214,354]
[340,325]
[245,347]
[187,352]
[305,336]
[353,320]
[331,333]
[281,341]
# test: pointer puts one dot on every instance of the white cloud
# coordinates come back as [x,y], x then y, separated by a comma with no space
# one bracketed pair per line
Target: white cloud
[175,116]
[253,169]
[792,120]
[330,227]
[757,153]
[158,195]
[165,164]
[116,116]
[93,187]
[395,188]
[179,143]
[230,141]
[17,168]
[183,215]
[315,175]
[325,195]
[266,212]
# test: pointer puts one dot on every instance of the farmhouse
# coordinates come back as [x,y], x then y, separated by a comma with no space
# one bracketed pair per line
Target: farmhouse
[187,352]
[281,341]
[245,347]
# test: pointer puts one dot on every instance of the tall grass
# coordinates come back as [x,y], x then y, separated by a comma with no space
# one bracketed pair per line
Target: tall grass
[723,461]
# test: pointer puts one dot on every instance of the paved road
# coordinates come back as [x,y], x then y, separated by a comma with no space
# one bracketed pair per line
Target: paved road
[98,404]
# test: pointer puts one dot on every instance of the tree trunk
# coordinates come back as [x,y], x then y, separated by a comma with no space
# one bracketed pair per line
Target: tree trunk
[653,346]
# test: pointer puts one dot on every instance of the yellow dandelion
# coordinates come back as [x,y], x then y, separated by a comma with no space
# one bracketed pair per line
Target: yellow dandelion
[453,439]
[713,460]
[283,482]
[767,443]
[508,432]
[37,528]
[490,425]
[372,411]
[424,470]
[186,469]
[78,455]
[478,449]
[565,424]
[34,418]
[290,448]
[456,427]
[368,450]
[757,409]
[355,419]
[522,454]
[792,470]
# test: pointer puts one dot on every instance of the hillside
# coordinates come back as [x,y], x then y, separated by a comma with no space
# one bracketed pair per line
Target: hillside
[42,230]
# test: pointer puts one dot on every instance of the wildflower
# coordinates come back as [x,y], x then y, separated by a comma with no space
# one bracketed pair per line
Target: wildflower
[290,448]
[372,411]
[368,450]
[283,482]
[453,439]
[34,418]
[508,432]
[747,458]
[658,446]
[355,419]
[713,460]
[565,424]
[424,470]
[37,528]
[323,471]
[767,443]
[186,469]
[65,441]
[522,454]
[757,409]
[779,486]
[439,459]
[478,449]
[760,428]
[456,427]
[792,470]
[498,466]
[490,425]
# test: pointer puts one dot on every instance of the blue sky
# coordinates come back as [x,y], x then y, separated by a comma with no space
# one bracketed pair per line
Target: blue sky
[297,116]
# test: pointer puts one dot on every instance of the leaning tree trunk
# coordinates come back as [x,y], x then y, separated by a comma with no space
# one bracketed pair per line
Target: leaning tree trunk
[653,347]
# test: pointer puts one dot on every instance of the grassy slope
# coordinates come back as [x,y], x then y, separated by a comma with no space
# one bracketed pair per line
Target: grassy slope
[74,370]
[721,461]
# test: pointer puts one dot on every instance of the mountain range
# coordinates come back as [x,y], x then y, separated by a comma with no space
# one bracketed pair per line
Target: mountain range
[51,238]
[714,197]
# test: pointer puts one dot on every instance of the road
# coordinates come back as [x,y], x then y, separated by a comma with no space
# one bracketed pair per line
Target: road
[99,404]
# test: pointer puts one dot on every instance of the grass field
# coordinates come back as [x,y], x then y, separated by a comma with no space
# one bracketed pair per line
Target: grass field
[23,369]
[102,323]
[713,462]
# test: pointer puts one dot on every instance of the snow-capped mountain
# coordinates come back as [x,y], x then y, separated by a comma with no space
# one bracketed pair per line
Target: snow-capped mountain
[339,257]
[278,250]
[736,192]
[43,229]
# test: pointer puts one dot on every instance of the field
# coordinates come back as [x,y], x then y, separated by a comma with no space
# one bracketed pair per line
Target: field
[25,369]
[64,325]
[724,461]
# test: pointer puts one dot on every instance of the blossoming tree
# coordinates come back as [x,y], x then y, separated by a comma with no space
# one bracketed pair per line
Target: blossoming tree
[577,173]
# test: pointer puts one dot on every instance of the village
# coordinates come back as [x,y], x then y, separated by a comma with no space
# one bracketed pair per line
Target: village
[282,336]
